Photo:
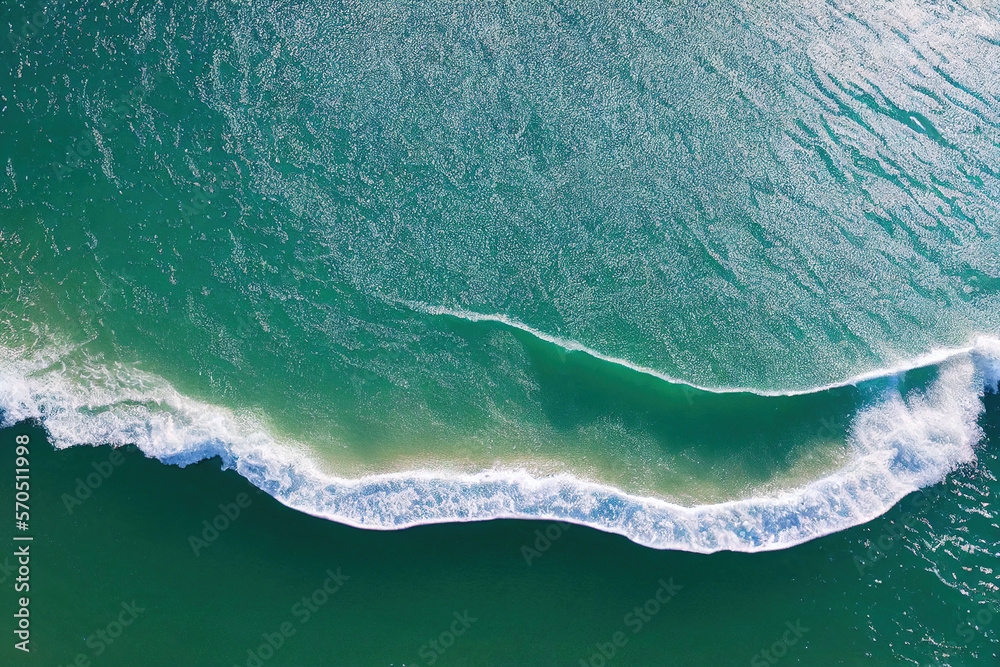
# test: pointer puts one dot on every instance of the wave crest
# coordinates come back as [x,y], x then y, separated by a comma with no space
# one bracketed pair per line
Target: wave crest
[901,443]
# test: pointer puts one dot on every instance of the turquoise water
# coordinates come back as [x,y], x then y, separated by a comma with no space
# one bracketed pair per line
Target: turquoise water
[709,276]
[915,586]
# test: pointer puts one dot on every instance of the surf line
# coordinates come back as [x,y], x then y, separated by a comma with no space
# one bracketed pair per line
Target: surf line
[931,358]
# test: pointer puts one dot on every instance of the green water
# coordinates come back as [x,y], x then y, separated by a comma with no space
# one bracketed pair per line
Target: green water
[708,276]
[917,586]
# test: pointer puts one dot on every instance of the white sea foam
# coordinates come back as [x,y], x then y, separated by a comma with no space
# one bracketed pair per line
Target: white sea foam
[901,443]
[931,358]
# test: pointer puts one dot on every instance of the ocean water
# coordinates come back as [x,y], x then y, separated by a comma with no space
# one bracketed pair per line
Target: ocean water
[916,586]
[709,276]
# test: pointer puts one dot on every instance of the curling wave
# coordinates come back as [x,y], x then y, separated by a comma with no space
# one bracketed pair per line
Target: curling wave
[901,442]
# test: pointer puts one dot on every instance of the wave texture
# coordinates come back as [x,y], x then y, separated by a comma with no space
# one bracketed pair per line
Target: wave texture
[901,442]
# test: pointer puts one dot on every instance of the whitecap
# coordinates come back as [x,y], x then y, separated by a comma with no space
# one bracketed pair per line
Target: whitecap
[901,442]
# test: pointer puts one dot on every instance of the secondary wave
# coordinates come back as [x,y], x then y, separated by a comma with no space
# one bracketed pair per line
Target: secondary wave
[932,358]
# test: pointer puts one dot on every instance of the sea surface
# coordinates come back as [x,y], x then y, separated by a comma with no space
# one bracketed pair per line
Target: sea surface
[662,281]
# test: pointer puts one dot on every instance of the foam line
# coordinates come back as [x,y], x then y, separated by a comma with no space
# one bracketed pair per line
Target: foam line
[932,358]
[900,444]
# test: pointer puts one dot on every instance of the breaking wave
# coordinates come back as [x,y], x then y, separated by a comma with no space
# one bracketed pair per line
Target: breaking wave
[902,441]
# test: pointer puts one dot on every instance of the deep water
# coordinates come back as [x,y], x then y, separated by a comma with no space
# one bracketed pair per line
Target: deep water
[916,586]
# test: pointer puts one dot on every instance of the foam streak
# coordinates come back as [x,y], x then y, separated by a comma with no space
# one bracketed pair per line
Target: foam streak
[931,358]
